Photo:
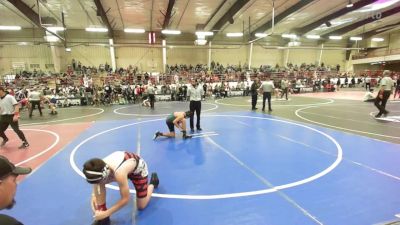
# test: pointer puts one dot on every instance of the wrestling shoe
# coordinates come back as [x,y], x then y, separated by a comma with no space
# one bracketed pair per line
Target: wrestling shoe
[187,136]
[105,221]
[24,145]
[156,135]
[154,180]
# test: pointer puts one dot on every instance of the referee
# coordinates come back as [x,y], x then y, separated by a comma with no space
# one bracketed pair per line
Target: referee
[387,86]
[9,116]
[195,92]
[151,92]
[267,87]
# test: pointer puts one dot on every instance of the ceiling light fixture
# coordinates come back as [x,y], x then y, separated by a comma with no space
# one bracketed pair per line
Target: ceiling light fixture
[350,4]
[234,34]
[289,35]
[50,38]
[294,43]
[377,39]
[55,29]
[356,38]
[335,37]
[204,33]
[261,35]
[200,42]
[131,30]
[171,32]
[313,36]
[96,29]
[10,28]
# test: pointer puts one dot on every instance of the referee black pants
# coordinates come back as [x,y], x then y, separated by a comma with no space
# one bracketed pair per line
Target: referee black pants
[267,95]
[195,106]
[253,101]
[7,120]
[152,99]
[381,103]
[33,104]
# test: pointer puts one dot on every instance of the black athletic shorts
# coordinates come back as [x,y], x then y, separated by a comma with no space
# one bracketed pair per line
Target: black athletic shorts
[171,126]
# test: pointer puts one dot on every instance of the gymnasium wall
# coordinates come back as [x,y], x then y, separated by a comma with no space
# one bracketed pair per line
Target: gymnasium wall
[262,56]
[146,59]
[192,55]
[394,41]
[334,57]
[299,56]
[150,59]
[30,55]
[234,55]
[358,68]
[391,46]
[88,55]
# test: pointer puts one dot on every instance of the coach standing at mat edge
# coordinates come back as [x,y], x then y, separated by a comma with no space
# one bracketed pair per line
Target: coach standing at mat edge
[195,92]
[8,188]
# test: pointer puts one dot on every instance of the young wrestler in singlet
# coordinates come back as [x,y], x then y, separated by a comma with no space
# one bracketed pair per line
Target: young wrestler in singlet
[176,119]
[118,167]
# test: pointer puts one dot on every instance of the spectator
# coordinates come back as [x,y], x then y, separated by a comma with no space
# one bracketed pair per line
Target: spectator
[8,188]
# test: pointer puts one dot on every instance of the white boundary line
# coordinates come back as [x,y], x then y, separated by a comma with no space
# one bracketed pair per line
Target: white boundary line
[372,123]
[156,115]
[375,112]
[44,151]
[73,118]
[231,195]
[275,105]
[340,128]
[205,135]
[263,180]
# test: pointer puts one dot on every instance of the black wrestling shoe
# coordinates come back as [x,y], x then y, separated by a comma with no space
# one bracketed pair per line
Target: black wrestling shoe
[156,135]
[199,129]
[24,145]
[105,221]
[154,180]
[187,136]
[385,113]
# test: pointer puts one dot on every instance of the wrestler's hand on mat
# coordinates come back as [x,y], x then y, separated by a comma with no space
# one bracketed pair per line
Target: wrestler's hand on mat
[99,215]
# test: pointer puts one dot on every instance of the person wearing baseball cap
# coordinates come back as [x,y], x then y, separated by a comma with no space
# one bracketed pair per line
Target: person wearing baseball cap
[8,188]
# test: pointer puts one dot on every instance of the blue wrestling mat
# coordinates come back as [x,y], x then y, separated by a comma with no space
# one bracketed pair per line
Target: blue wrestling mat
[242,168]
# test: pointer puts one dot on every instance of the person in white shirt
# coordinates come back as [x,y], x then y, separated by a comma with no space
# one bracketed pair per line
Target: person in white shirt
[151,94]
[368,83]
[9,110]
[195,92]
[34,99]
[284,87]
[384,93]
[267,87]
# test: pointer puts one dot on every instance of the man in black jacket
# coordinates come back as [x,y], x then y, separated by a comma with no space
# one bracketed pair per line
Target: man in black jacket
[254,93]
[8,187]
